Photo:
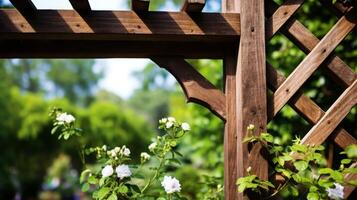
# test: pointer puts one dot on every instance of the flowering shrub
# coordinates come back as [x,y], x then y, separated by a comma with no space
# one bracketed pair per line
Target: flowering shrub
[304,169]
[118,178]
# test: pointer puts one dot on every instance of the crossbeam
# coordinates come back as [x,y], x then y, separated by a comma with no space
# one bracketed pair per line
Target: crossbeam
[119,25]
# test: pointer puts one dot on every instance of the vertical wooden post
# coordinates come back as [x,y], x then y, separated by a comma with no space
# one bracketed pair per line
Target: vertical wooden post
[251,84]
[246,95]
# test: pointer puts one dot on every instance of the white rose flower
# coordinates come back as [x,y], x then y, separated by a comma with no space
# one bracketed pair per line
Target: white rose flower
[144,157]
[123,171]
[104,147]
[169,124]
[171,119]
[337,192]
[251,127]
[152,146]
[163,120]
[185,126]
[126,151]
[116,149]
[107,171]
[171,184]
[65,118]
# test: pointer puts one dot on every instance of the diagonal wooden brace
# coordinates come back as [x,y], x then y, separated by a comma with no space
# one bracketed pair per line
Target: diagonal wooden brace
[196,87]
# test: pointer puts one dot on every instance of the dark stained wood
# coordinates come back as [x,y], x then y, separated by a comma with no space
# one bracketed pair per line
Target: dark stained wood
[251,87]
[230,131]
[193,6]
[196,87]
[25,7]
[140,5]
[333,117]
[307,108]
[308,66]
[81,6]
[119,25]
[231,146]
[109,49]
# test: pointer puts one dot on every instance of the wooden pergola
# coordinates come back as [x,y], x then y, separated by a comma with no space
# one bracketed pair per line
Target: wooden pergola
[237,35]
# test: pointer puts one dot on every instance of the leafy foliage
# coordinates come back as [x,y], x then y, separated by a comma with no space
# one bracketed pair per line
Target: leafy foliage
[303,167]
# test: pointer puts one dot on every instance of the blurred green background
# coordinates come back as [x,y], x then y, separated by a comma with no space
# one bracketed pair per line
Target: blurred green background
[35,165]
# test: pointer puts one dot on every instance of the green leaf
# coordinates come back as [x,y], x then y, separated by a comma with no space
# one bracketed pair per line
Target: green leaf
[346,161]
[301,165]
[92,180]
[242,187]
[53,131]
[299,148]
[113,196]
[336,175]
[313,196]
[325,171]
[123,189]
[103,192]
[84,175]
[350,170]
[85,187]
[351,151]
[267,137]
[353,182]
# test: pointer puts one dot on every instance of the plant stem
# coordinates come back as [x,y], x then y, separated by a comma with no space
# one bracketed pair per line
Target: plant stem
[279,189]
[155,175]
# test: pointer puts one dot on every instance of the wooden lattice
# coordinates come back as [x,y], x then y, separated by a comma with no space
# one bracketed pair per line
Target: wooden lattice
[287,90]
[237,35]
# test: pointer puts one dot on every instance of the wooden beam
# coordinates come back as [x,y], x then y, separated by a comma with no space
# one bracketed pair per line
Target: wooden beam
[81,6]
[338,111]
[310,64]
[140,5]
[195,86]
[119,25]
[25,7]
[109,49]
[193,6]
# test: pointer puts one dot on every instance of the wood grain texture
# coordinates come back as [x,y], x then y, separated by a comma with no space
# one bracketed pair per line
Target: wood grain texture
[306,41]
[280,16]
[337,112]
[193,6]
[251,86]
[119,25]
[140,5]
[231,147]
[196,87]
[230,130]
[307,108]
[81,6]
[310,64]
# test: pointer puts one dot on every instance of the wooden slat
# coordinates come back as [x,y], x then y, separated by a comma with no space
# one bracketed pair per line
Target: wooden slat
[305,40]
[230,127]
[349,177]
[25,7]
[196,87]
[281,16]
[81,6]
[251,86]
[109,49]
[119,25]
[333,117]
[140,5]
[308,66]
[307,108]
[193,6]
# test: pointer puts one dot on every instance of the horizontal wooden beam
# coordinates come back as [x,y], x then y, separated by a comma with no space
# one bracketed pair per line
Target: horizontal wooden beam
[110,49]
[119,25]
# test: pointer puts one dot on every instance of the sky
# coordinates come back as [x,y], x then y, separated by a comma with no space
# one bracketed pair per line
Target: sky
[118,72]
